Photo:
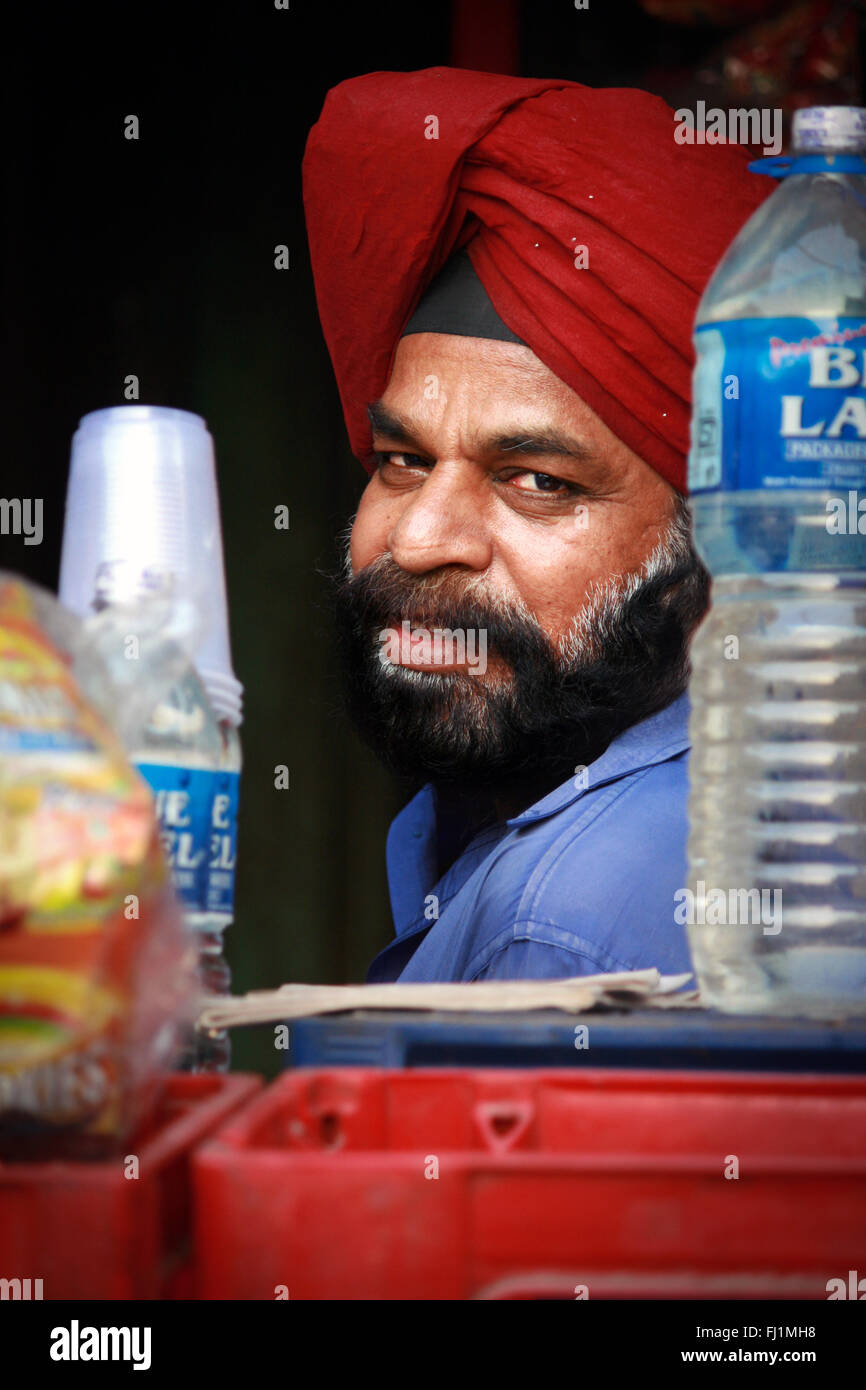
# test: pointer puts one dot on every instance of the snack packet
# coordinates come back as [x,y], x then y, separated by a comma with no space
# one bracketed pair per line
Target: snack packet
[96,970]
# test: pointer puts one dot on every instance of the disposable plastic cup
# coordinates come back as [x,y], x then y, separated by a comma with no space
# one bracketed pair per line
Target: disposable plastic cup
[142,514]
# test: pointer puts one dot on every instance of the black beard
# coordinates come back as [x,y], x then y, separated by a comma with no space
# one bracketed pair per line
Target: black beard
[490,735]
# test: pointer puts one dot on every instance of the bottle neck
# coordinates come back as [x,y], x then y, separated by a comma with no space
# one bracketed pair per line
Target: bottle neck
[798,162]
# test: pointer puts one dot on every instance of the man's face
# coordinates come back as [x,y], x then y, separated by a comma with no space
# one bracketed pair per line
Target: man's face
[463,484]
[504,509]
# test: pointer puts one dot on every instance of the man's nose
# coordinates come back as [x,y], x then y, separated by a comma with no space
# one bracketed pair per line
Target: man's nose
[443,523]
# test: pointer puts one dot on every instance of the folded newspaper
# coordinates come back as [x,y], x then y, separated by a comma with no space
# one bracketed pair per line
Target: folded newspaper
[625,989]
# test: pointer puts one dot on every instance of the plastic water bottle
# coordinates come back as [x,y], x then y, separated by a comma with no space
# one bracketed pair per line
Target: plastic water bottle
[192,763]
[213,1050]
[777,477]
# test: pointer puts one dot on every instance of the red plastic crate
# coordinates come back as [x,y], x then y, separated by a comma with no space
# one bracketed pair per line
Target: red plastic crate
[87,1231]
[547,1181]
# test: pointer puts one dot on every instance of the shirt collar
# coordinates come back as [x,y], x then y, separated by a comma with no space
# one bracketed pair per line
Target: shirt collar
[412,848]
[653,740]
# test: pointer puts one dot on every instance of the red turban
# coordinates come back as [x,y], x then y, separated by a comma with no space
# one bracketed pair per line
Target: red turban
[402,168]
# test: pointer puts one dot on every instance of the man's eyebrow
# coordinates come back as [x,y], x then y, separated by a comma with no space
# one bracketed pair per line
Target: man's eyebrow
[552,443]
[385,421]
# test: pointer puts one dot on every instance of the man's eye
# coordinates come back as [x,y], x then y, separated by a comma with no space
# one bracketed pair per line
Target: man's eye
[541,482]
[400,460]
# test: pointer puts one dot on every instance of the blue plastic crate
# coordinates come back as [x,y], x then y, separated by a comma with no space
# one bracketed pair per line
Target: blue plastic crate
[699,1039]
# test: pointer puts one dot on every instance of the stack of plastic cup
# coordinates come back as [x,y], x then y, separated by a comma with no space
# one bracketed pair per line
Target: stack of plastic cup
[142,512]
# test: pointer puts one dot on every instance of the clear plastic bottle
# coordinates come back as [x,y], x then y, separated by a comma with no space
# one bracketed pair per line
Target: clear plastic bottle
[213,1052]
[777,476]
[192,762]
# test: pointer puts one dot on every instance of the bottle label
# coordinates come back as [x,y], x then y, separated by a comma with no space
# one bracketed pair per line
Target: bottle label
[779,403]
[184,808]
[222,846]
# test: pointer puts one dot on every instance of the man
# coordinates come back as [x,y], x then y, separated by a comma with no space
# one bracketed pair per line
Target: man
[507,272]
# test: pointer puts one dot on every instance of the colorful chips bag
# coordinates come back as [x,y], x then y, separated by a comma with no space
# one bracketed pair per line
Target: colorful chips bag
[95,968]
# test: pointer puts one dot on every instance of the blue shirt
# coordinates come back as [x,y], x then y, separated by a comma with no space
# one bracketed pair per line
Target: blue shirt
[579,883]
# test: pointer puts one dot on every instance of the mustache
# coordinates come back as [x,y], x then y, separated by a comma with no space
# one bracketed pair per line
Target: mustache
[384,596]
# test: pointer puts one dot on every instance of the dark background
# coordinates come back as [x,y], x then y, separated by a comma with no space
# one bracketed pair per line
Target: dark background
[156,257]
